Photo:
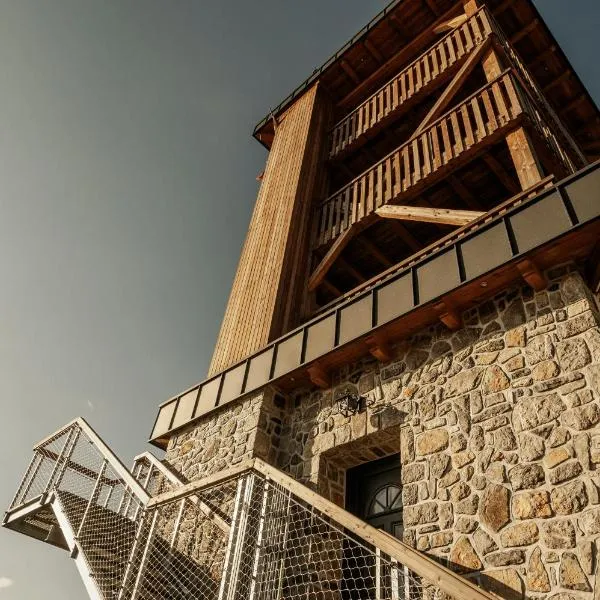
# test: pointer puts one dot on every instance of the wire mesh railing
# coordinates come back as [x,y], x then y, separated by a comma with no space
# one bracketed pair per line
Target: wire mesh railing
[250,533]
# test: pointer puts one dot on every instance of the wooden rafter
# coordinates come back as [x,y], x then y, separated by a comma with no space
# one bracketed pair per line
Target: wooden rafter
[374,51]
[452,88]
[351,269]
[406,236]
[405,54]
[501,173]
[433,7]
[504,6]
[464,193]
[397,27]
[566,74]
[532,274]
[349,71]
[525,31]
[542,57]
[451,24]
[332,289]
[445,216]
[375,251]
[323,267]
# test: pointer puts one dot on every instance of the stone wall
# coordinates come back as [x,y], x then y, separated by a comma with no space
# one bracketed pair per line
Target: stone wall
[497,426]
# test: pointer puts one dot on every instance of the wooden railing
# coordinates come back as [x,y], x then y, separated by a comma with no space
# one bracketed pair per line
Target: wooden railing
[414,80]
[481,116]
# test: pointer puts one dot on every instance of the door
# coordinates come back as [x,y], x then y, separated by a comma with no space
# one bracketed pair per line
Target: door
[374,494]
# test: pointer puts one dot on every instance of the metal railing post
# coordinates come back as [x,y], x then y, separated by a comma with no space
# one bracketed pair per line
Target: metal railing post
[93,497]
[144,560]
[27,480]
[177,523]
[65,453]
[259,541]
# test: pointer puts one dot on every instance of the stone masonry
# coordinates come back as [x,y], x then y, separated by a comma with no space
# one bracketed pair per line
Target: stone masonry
[498,430]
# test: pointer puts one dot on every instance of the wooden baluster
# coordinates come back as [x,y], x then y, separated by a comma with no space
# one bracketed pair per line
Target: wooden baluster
[346,214]
[416,161]
[419,75]
[466,30]
[448,153]
[458,141]
[388,193]
[480,133]
[460,48]
[367,116]
[476,32]
[492,124]
[371,192]
[331,217]
[407,171]
[355,201]
[450,42]
[381,102]
[403,86]
[333,142]
[411,84]
[424,139]
[516,108]
[435,70]
[323,226]
[435,143]
[427,77]
[443,58]
[388,99]
[395,98]
[466,118]
[397,179]
[374,112]
[502,109]
[378,200]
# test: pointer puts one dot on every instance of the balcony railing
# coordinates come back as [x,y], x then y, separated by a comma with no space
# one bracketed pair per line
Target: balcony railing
[479,119]
[414,81]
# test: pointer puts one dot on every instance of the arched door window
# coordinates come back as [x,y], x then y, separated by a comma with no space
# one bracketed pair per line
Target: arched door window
[385,500]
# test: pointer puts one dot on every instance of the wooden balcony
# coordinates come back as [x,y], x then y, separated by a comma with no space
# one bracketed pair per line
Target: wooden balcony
[411,85]
[455,138]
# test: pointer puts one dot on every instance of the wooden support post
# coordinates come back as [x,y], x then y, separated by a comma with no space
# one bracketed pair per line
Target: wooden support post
[319,376]
[532,274]
[379,348]
[449,316]
[527,165]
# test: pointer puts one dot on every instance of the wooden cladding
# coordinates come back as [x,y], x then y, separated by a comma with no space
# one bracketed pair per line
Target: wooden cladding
[414,81]
[267,282]
[485,114]
[506,236]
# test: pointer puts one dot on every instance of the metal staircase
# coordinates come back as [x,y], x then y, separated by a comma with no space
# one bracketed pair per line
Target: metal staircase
[250,532]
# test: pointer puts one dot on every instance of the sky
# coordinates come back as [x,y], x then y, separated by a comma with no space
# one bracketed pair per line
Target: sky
[127,178]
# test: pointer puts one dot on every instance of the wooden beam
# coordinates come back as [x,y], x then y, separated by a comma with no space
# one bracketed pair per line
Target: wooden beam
[406,236]
[336,249]
[445,216]
[332,289]
[351,269]
[503,7]
[449,316]
[532,274]
[398,28]
[379,348]
[528,167]
[349,71]
[319,376]
[433,7]
[464,193]
[374,51]
[566,74]
[451,24]
[501,173]
[375,251]
[407,52]
[452,88]
[515,39]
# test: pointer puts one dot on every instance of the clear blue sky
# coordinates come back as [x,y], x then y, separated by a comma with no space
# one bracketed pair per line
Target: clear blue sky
[127,176]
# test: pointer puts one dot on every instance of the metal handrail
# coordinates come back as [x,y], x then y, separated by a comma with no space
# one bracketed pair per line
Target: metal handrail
[424,566]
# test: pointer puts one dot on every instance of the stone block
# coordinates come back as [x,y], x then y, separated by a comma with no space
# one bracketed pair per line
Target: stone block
[532,505]
[521,534]
[432,441]
[463,556]
[524,477]
[494,508]
[571,575]
[558,534]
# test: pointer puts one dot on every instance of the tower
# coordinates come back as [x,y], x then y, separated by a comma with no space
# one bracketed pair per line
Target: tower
[412,334]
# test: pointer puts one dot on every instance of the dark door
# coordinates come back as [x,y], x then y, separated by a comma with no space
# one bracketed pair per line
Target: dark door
[374,493]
